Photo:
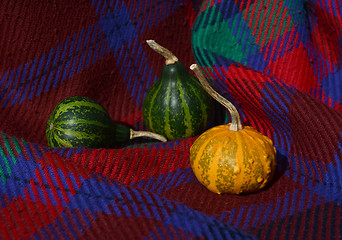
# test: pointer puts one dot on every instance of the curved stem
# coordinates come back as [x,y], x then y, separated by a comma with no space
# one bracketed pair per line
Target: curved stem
[135,134]
[167,54]
[236,122]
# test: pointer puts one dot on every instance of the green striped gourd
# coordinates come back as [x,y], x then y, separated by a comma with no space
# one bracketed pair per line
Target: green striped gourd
[79,121]
[176,105]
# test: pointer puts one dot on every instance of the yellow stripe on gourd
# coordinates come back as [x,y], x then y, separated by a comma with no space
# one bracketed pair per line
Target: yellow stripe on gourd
[187,115]
[62,107]
[167,126]
[152,102]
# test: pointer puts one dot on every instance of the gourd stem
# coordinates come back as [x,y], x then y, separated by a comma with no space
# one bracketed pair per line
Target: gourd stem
[236,122]
[135,134]
[167,54]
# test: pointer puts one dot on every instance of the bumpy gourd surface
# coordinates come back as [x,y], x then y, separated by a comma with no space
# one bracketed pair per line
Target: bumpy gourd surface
[233,161]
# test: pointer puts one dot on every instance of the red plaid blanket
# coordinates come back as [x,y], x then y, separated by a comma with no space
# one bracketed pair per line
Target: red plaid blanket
[278,61]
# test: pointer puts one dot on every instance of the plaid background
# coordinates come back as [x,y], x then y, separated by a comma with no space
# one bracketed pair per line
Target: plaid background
[278,61]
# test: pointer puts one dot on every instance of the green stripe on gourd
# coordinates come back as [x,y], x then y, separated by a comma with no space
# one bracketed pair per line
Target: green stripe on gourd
[176,105]
[82,122]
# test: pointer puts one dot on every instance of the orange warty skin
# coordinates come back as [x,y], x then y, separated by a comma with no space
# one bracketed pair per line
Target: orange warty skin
[234,162]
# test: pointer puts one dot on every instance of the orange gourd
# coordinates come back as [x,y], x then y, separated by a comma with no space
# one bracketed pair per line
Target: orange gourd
[231,158]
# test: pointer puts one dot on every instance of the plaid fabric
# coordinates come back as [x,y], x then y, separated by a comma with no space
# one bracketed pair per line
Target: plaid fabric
[278,61]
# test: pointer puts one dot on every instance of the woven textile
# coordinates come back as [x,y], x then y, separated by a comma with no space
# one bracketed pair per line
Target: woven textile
[278,61]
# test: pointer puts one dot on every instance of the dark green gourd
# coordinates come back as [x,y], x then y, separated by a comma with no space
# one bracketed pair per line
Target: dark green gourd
[79,121]
[176,105]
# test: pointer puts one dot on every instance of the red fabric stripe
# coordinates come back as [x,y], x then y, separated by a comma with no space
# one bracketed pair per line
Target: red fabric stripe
[328,225]
[34,215]
[253,209]
[337,222]
[71,224]
[310,221]
[87,214]
[57,178]
[145,158]
[49,204]
[5,231]
[94,159]
[109,164]
[264,228]
[66,169]
[132,169]
[103,156]
[325,34]
[8,220]
[293,200]
[53,189]
[266,20]
[191,14]
[337,10]
[251,16]
[115,166]
[16,211]
[247,10]
[303,219]
[127,161]
[88,48]
[270,27]
[291,42]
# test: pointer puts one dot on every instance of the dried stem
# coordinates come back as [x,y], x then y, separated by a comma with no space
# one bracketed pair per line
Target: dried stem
[167,54]
[135,134]
[236,122]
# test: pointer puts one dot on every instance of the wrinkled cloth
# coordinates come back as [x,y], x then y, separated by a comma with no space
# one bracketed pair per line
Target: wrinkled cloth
[278,61]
